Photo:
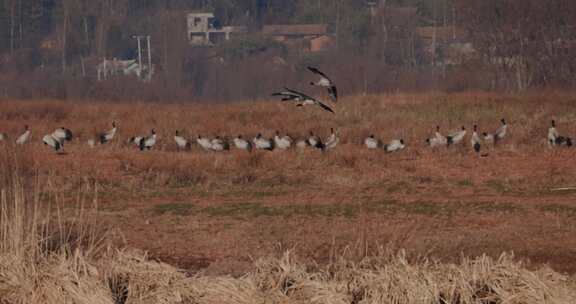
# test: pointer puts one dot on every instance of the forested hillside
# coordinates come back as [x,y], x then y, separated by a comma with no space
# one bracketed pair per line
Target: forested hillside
[51,48]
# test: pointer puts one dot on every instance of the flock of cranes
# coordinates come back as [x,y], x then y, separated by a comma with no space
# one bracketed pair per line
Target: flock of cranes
[259,142]
[55,139]
[61,135]
[457,137]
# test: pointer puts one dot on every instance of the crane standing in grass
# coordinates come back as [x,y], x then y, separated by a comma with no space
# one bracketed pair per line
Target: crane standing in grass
[108,135]
[242,144]
[261,143]
[62,135]
[22,139]
[147,143]
[181,142]
[282,142]
[371,142]
[49,140]
[332,140]
[475,140]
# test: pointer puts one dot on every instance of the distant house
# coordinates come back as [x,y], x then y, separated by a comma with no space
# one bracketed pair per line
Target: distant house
[440,33]
[399,18]
[309,37]
[295,31]
[322,43]
[49,44]
[204,29]
[446,45]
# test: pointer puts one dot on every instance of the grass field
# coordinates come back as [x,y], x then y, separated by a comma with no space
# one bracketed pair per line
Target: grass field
[219,212]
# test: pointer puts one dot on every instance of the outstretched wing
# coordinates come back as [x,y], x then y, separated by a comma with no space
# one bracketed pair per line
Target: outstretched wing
[290,91]
[318,72]
[287,95]
[333,92]
[323,106]
[303,98]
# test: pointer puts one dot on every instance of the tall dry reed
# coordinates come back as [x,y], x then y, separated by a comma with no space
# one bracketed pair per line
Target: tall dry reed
[48,258]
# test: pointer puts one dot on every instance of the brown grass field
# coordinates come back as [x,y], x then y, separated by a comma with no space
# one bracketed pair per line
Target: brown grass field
[217,213]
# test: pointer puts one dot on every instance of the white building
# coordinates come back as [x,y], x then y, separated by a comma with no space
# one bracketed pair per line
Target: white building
[114,67]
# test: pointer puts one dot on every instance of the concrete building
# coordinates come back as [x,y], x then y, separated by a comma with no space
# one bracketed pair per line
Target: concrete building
[204,30]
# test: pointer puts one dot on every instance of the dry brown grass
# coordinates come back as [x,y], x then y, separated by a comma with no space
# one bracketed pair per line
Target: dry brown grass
[411,117]
[62,262]
[31,274]
[198,209]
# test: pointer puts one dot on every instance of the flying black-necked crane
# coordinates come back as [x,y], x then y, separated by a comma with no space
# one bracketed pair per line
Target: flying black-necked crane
[325,82]
[288,95]
[301,99]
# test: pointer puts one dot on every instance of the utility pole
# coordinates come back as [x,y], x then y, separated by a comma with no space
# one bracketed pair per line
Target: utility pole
[148,49]
[139,50]
[65,36]
[149,59]
[434,16]
[453,22]
[338,4]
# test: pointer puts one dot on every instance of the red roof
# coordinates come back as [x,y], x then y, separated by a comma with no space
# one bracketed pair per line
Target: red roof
[441,32]
[295,29]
